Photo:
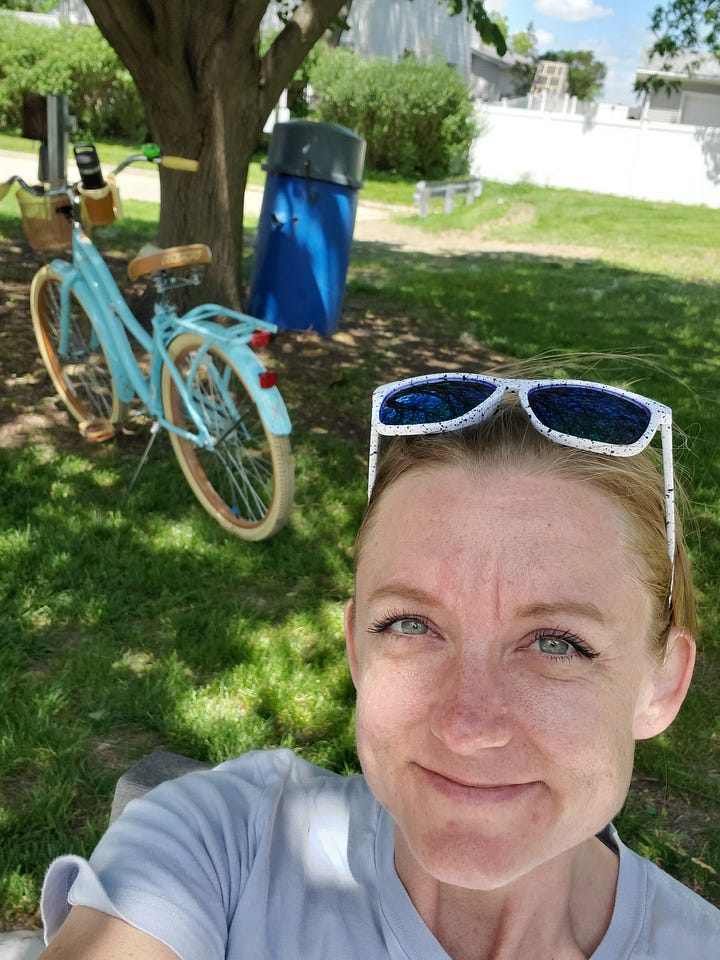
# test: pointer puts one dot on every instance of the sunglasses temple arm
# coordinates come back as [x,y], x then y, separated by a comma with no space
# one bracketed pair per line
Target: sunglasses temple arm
[372,459]
[668,470]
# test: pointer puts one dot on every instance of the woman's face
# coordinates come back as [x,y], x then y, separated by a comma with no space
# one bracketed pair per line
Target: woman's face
[498,643]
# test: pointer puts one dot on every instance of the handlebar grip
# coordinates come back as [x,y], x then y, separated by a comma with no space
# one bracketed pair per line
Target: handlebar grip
[179,163]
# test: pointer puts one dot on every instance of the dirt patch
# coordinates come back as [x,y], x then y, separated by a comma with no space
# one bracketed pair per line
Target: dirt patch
[405,237]
[386,344]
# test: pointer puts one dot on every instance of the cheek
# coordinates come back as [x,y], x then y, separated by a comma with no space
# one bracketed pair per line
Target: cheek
[389,703]
[585,727]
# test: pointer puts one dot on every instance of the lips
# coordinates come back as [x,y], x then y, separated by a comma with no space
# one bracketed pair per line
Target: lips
[474,791]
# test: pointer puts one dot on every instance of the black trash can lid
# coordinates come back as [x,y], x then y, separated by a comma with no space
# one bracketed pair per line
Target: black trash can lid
[320,151]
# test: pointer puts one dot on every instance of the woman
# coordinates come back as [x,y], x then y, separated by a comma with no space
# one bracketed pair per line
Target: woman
[523,613]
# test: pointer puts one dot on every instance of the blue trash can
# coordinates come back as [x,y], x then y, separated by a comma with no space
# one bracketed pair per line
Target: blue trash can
[314,171]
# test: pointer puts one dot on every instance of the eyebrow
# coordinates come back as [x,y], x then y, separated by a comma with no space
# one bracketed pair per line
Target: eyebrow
[402,591]
[581,608]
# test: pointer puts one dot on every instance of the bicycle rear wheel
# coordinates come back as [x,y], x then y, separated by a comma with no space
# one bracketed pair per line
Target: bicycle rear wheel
[82,374]
[246,482]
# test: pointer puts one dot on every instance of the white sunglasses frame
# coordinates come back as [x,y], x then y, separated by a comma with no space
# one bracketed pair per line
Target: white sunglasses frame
[660,419]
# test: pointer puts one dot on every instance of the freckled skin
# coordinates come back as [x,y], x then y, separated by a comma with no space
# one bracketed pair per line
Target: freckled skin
[494,758]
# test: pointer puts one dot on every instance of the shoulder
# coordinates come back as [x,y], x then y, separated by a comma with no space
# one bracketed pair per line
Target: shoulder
[179,860]
[261,779]
[657,916]
[254,790]
[674,903]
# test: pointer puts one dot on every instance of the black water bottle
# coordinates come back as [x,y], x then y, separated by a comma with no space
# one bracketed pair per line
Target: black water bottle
[89,166]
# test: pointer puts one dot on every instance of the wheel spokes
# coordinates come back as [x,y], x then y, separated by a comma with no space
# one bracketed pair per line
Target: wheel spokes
[238,462]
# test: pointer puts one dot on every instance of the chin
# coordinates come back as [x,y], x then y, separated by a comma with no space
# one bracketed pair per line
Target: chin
[484,860]
[471,862]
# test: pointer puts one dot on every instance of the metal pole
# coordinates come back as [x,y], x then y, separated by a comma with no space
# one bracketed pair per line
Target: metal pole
[58,122]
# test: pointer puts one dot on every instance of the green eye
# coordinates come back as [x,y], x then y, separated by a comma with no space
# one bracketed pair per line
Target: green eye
[409,626]
[554,645]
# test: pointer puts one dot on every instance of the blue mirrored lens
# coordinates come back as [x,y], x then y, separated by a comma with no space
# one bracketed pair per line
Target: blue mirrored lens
[589,413]
[434,402]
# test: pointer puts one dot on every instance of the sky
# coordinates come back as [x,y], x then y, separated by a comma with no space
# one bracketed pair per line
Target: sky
[615,30]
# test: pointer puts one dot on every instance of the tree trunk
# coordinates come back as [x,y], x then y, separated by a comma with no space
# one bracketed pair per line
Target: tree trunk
[207,93]
[337,29]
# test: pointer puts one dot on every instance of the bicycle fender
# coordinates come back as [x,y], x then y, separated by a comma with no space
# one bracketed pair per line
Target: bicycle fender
[72,279]
[66,270]
[270,403]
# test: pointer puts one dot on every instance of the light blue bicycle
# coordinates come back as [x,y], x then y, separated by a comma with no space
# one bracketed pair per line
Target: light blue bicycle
[204,384]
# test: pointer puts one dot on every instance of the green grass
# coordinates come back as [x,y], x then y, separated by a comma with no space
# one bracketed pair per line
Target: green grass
[646,236]
[129,620]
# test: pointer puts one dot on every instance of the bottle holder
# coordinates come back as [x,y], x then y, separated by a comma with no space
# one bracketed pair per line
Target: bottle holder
[46,228]
[100,205]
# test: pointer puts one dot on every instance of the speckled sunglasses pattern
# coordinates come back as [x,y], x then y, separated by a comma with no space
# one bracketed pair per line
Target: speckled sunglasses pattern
[574,413]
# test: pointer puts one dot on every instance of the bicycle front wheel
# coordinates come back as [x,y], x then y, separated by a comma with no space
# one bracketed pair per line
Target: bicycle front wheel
[246,481]
[81,374]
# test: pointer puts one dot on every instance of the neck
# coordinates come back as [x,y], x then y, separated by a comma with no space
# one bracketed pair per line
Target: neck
[561,909]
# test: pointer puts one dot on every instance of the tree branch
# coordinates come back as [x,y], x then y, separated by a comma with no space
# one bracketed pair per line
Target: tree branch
[302,31]
[129,30]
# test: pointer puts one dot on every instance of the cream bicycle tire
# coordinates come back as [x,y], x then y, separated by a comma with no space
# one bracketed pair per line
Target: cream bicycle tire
[84,380]
[247,482]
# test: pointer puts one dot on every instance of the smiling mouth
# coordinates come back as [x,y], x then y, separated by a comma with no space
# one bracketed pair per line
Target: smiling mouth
[470,792]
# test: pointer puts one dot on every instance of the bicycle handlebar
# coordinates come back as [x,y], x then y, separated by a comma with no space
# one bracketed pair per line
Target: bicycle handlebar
[151,154]
[179,163]
[36,191]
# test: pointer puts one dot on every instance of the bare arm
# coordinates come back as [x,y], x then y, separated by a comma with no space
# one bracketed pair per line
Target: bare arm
[88,934]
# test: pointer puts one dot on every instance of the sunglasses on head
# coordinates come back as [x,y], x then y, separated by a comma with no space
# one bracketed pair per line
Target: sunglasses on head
[574,413]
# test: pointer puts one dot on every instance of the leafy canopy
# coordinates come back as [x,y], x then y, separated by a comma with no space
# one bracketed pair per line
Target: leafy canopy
[686,25]
[585,74]
[681,26]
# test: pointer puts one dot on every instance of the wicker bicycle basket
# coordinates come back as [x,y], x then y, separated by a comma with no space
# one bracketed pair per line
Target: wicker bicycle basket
[46,228]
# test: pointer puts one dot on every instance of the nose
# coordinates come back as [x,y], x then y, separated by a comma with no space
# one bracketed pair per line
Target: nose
[473,707]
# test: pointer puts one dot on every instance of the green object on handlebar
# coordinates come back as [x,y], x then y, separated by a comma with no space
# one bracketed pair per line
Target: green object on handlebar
[151,150]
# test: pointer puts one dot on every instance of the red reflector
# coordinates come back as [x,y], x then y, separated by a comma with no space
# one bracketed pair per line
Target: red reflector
[268,379]
[261,338]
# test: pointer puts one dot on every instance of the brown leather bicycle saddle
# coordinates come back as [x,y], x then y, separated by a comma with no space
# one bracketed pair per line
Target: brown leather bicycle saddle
[151,259]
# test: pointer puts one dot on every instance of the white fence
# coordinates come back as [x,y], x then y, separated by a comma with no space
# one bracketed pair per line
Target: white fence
[630,158]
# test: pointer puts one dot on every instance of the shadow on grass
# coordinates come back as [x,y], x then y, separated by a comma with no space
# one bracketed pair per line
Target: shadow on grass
[131,621]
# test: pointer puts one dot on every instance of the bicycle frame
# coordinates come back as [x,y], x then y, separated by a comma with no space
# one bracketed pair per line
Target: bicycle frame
[91,281]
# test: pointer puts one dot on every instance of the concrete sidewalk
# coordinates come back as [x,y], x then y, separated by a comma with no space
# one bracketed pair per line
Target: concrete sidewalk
[137,183]
[21,945]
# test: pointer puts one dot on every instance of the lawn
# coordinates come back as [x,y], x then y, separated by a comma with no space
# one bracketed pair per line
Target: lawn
[128,620]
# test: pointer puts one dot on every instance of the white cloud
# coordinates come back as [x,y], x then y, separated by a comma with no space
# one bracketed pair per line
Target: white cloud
[573,11]
[545,39]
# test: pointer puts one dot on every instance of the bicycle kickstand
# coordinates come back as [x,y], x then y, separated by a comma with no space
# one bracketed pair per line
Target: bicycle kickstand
[154,430]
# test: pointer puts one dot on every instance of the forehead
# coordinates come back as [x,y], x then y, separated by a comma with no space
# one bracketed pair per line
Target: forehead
[523,530]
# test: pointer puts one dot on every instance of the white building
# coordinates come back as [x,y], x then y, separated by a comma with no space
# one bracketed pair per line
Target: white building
[697,99]
[392,28]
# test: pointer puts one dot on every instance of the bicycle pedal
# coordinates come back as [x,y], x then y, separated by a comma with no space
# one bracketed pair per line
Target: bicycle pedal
[97,431]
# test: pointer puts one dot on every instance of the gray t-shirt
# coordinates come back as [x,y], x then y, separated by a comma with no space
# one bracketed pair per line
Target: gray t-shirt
[271,858]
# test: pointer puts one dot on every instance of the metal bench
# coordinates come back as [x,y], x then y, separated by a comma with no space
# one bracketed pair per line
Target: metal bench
[449,189]
[147,773]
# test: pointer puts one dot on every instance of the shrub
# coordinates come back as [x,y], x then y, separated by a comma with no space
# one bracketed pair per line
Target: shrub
[74,60]
[416,117]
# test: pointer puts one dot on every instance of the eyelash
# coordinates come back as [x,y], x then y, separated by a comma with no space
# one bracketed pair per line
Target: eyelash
[579,646]
[570,638]
[384,623]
